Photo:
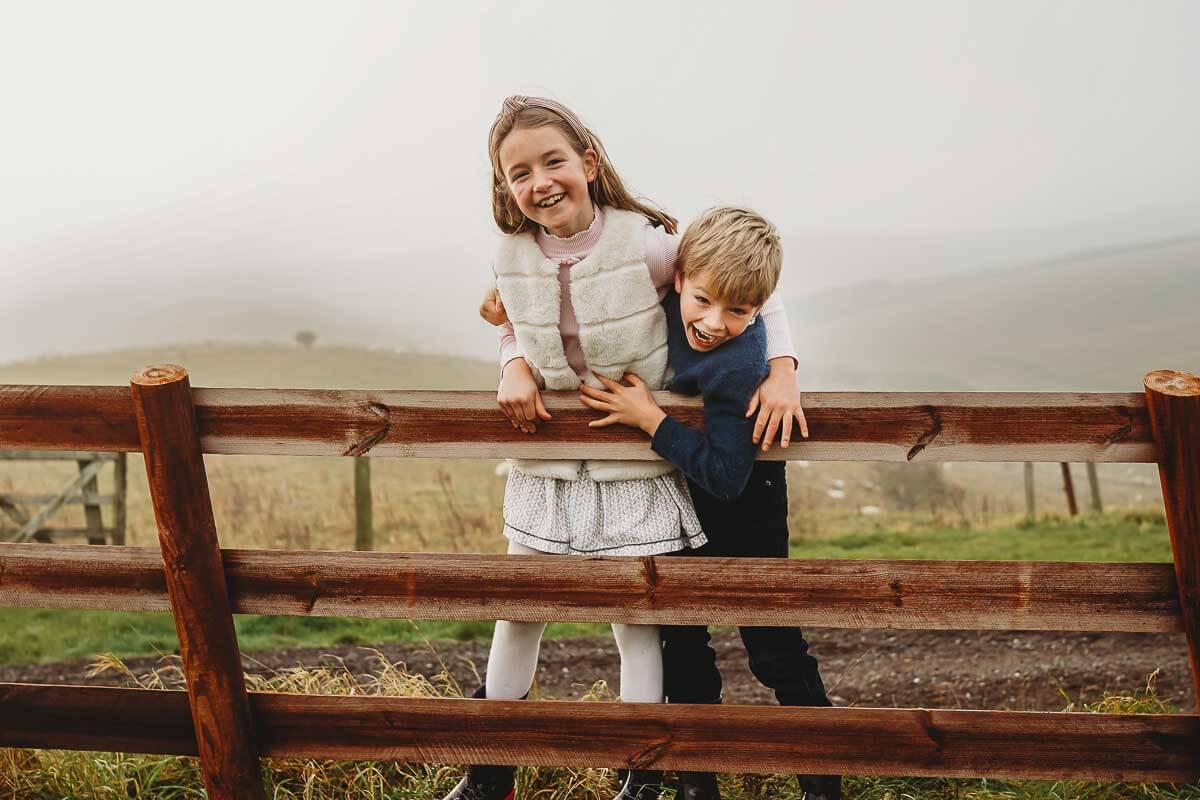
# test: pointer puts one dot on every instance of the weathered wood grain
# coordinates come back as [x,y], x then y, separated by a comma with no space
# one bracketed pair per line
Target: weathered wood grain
[967,595]
[195,580]
[994,744]
[1174,402]
[930,426]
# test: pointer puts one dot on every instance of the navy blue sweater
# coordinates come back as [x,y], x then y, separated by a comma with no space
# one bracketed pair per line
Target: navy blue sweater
[719,460]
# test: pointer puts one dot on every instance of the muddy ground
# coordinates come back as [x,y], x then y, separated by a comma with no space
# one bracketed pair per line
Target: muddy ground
[934,669]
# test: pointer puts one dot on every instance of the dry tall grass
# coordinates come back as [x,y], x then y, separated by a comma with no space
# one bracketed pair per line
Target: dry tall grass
[51,774]
[455,505]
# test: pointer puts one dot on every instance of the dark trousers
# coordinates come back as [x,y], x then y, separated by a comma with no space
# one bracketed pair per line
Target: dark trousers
[753,526]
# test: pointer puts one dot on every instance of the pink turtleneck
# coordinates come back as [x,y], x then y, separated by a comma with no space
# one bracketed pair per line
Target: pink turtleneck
[661,251]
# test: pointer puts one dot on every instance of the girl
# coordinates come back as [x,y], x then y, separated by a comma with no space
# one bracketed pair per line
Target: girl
[581,272]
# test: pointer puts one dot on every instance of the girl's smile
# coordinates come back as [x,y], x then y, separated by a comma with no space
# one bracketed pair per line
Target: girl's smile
[548,179]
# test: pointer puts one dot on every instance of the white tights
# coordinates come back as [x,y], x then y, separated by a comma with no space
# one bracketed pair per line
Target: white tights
[514,656]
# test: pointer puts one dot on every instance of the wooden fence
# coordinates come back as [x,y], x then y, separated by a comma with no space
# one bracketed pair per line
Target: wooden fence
[82,489]
[230,729]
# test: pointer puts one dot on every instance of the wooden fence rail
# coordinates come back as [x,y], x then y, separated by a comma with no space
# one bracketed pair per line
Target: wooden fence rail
[844,426]
[729,738]
[230,728]
[924,595]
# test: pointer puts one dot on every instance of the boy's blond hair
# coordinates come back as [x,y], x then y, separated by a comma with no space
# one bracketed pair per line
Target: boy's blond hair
[737,251]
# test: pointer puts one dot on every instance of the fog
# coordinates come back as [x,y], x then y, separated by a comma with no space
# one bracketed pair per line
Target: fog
[236,171]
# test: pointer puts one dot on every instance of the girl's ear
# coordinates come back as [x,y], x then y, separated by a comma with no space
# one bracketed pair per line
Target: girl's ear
[679,281]
[590,164]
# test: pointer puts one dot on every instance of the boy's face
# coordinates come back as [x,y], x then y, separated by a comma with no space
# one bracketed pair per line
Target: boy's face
[708,320]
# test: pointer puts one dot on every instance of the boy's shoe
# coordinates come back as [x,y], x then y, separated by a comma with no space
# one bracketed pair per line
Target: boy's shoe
[698,786]
[641,784]
[821,787]
[485,783]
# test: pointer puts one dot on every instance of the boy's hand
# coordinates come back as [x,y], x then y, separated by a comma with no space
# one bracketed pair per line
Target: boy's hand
[777,400]
[519,397]
[631,405]
[492,307]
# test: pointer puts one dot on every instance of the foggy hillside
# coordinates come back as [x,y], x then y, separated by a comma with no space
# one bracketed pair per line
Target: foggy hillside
[264,366]
[1093,321]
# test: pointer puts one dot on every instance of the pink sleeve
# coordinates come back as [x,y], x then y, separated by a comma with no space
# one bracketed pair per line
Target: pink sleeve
[508,345]
[507,339]
[662,248]
[779,334]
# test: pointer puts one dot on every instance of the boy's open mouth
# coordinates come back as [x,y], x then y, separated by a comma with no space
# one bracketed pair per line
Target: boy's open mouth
[552,200]
[704,338]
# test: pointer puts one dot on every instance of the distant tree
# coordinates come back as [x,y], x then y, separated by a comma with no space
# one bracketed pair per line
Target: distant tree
[306,338]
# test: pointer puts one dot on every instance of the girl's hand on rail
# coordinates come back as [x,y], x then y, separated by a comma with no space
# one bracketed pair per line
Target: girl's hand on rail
[631,405]
[492,307]
[519,397]
[777,401]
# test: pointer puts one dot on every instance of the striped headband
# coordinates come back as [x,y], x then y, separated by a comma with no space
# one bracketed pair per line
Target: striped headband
[518,102]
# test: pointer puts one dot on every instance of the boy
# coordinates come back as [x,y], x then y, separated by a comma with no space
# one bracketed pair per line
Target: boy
[729,262]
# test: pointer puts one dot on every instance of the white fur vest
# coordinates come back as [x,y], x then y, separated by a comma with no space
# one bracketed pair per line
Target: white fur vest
[622,327]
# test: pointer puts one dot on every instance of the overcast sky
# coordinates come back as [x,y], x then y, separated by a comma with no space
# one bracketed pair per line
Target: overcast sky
[334,153]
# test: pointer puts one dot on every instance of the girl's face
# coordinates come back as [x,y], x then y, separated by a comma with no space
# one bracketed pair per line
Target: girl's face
[548,179]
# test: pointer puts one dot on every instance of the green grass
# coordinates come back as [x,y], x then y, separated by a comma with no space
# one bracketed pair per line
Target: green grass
[35,635]
[1125,536]
[40,635]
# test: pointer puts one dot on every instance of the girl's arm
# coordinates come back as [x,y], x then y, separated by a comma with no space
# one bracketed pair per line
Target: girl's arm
[508,345]
[773,317]
[518,394]
[519,398]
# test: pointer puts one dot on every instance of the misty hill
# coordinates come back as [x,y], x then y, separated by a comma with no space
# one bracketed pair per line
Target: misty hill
[1095,320]
[264,365]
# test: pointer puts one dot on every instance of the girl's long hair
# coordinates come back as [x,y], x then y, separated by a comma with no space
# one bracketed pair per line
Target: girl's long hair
[606,190]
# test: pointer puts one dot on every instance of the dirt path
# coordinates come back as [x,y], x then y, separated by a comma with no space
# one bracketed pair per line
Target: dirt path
[942,669]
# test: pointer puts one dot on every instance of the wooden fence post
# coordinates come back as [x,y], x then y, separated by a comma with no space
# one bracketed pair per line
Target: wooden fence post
[91,510]
[212,664]
[1094,485]
[1030,496]
[364,520]
[118,502]
[1173,399]
[1069,489]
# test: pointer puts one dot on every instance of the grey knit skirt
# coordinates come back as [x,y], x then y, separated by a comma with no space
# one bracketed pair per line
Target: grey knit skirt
[641,517]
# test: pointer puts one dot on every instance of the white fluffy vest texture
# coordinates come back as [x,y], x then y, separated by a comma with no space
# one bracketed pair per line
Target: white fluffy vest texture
[622,327]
